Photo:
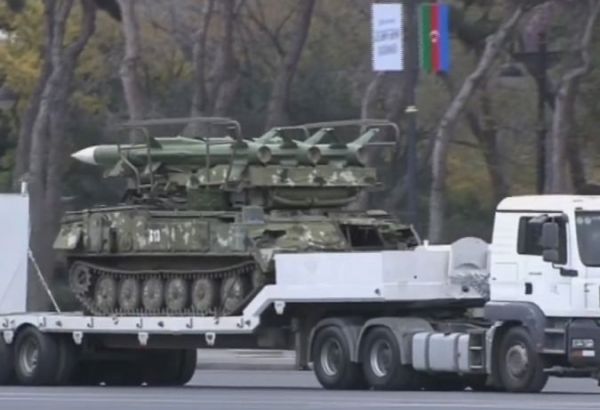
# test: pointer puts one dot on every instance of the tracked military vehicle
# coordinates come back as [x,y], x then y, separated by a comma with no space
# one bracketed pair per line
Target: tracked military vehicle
[203,216]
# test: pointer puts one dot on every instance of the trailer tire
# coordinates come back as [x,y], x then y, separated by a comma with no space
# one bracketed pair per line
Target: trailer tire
[7,372]
[520,367]
[36,357]
[332,361]
[120,373]
[189,359]
[170,367]
[67,361]
[381,362]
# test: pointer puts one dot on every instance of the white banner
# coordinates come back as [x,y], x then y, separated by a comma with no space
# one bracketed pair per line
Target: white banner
[388,37]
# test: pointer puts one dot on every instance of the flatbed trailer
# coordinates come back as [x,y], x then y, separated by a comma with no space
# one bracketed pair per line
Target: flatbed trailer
[503,316]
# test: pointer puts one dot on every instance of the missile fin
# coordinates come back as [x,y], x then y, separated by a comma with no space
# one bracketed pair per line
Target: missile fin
[366,137]
[317,136]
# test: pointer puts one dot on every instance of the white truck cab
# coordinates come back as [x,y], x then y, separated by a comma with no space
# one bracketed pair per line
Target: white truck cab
[546,250]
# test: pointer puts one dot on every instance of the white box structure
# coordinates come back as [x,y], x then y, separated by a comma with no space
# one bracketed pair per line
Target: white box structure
[14,244]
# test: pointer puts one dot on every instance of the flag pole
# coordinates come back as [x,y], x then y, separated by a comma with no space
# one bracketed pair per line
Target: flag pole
[412,67]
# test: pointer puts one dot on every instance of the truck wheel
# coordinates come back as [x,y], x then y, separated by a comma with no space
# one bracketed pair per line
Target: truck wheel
[331,358]
[520,367]
[36,357]
[6,363]
[381,362]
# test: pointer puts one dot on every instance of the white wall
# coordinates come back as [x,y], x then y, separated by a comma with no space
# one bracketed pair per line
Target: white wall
[14,242]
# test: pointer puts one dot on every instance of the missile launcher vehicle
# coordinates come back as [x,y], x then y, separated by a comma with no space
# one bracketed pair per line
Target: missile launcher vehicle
[202,217]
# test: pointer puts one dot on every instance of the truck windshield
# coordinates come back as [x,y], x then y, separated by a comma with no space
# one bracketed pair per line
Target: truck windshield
[588,237]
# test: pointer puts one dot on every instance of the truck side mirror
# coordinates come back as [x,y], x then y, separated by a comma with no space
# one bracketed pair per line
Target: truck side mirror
[550,242]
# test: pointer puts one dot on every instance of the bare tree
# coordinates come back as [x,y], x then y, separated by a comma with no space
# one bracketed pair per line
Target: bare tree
[277,107]
[494,45]
[564,107]
[225,76]
[47,155]
[129,70]
[199,93]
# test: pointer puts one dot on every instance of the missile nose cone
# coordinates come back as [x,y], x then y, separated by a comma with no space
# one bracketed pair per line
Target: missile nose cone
[85,155]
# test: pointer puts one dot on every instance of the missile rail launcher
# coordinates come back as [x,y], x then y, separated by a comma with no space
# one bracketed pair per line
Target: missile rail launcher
[203,217]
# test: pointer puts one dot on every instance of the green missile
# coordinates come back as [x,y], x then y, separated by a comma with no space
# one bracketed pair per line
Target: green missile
[176,151]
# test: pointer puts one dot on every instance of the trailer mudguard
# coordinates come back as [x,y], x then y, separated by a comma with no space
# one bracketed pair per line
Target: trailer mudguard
[401,327]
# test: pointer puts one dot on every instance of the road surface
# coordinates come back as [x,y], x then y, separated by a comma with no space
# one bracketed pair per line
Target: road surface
[288,390]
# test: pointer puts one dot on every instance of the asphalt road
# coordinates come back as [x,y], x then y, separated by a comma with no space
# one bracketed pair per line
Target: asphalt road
[288,390]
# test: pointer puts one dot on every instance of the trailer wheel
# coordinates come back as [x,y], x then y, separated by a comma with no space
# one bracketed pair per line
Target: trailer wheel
[189,359]
[7,372]
[170,367]
[67,360]
[331,359]
[381,362]
[36,357]
[119,373]
[520,367]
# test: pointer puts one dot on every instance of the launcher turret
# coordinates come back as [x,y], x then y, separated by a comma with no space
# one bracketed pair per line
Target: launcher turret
[317,168]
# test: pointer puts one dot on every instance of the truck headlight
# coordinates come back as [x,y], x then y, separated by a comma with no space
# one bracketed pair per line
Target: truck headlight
[582,343]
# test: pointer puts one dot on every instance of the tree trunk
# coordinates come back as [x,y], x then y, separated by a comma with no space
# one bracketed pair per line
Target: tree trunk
[437,204]
[47,155]
[129,70]
[227,71]
[486,131]
[277,110]
[199,96]
[564,110]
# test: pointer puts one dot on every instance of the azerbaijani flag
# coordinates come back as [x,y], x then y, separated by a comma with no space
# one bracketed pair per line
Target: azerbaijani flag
[435,37]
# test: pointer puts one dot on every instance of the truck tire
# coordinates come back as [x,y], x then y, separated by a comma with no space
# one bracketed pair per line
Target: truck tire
[331,360]
[381,362]
[36,357]
[7,373]
[520,367]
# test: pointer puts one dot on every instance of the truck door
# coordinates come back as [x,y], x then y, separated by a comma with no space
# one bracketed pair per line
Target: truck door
[587,229]
[546,284]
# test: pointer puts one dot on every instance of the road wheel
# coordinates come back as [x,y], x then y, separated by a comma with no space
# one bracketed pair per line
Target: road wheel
[177,293]
[36,357]
[105,294]
[129,294]
[152,294]
[7,372]
[381,362]
[520,367]
[233,292]
[331,360]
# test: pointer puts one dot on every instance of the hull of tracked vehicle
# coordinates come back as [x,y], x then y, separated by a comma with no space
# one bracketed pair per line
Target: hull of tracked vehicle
[135,260]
